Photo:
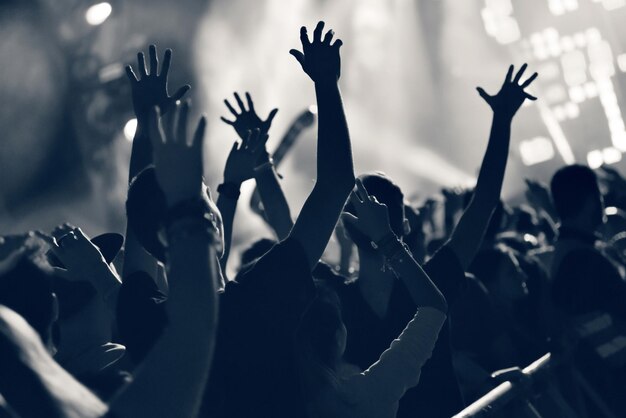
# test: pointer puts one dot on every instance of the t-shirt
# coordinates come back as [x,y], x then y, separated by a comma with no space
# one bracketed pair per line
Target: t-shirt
[438,394]
[254,372]
[585,280]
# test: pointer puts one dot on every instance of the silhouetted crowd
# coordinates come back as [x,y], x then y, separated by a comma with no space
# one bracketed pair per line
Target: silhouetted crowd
[412,321]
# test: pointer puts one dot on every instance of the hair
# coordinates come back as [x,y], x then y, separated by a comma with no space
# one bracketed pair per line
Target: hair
[316,341]
[146,208]
[27,289]
[387,192]
[571,187]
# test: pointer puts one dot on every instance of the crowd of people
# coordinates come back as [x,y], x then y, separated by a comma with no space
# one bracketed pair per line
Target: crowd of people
[411,322]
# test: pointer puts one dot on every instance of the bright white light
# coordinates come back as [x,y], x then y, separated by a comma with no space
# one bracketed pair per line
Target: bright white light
[591,90]
[536,150]
[559,113]
[130,128]
[571,110]
[313,109]
[610,210]
[611,155]
[577,94]
[98,13]
[621,62]
[619,140]
[595,159]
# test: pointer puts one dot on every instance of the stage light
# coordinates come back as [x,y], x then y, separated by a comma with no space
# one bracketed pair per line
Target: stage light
[595,159]
[577,94]
[621,62]
[130,128]
[536,150]
[611,155]
[98,13]
[591,90]
[571,110]
[610,210]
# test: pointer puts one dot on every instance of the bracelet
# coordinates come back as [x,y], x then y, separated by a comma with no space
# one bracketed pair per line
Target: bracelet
[185,228]
[190,211]
[229,189]
[385,243]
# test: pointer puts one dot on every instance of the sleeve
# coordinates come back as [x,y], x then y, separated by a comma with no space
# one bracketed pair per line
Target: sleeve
[446,271]
[399,367]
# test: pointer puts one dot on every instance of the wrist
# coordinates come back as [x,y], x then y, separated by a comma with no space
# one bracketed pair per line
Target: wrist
[229,189]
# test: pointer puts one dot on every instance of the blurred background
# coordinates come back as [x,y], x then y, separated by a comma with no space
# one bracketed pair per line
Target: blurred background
[409,72]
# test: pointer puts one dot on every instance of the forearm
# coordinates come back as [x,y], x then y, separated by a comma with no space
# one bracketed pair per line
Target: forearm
[334,154]
[468,235]
[171,380]
[227,206]
[491,175]
[141,153]
[274,202]
[422,290]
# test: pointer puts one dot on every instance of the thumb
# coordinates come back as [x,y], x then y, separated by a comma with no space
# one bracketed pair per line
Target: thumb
[483,94]
[297,55]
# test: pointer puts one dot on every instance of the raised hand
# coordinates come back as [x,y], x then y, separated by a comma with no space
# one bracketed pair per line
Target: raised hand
[244,158]
[511,95]
[150,89]
[178,163]
[372,217]
[247,119]
[319,59]
[81,258]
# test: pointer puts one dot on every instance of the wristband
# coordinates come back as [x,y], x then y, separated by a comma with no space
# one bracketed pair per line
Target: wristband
[188,212]
[384,244]
[229,189]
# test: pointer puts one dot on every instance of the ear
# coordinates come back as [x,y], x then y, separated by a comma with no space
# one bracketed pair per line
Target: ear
[406,227]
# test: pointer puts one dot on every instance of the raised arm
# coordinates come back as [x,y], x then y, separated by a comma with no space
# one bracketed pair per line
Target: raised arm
[469,232]
[335,173]
[399,367]
[274,202]
[171,379]
[239,167]
[148,90]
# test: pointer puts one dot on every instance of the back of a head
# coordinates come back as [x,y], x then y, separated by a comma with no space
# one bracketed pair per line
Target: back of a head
[316,339]
[146,208]
[26,288]
[386,192]
[572,186]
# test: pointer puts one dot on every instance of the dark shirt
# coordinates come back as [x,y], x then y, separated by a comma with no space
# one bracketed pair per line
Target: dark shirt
[254,372]
[437,394]
[584,279]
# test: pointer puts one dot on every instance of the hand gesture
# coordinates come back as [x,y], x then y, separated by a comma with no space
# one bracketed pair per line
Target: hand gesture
[372,217]
[178,163]
[150,90]
[511,95]
[538,195]
[81,258]
[247,120]
[243,158]
[319,59]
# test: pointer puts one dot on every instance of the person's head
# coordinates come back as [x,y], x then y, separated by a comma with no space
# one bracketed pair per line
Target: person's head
[146,209]
[320,340]
[499,270]
[388,193]
[26,288]
[576,195]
